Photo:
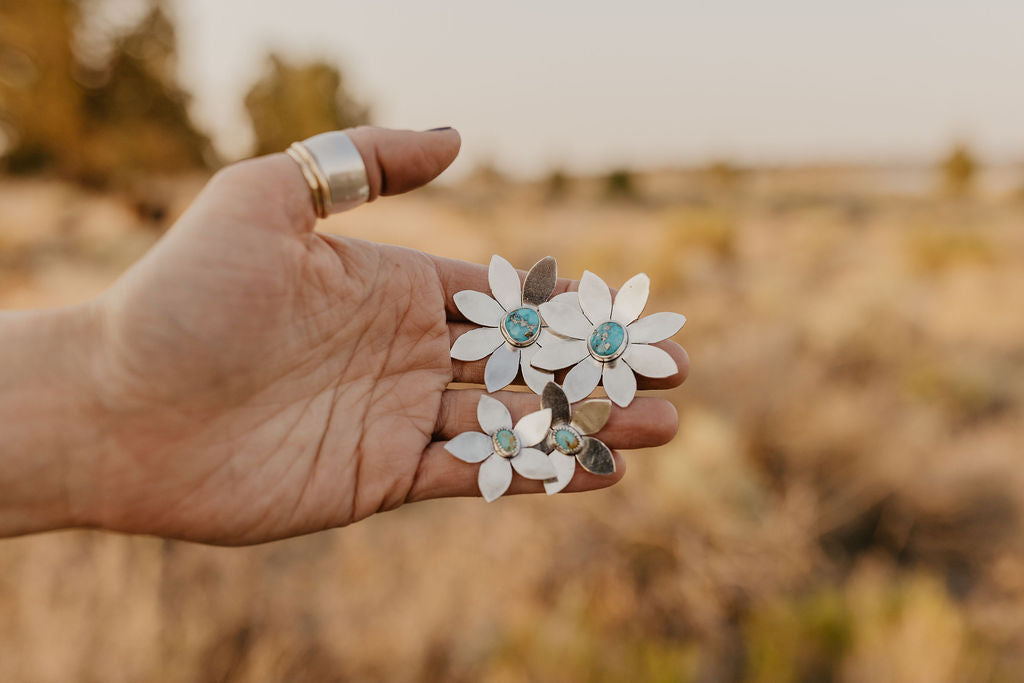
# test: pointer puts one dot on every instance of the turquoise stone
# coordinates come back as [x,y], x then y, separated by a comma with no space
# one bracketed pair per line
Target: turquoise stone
[522,325]
[505,443]
[568,441]
[607,338]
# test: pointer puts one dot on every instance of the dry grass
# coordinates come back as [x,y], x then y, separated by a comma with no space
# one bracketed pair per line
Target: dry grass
[843,500]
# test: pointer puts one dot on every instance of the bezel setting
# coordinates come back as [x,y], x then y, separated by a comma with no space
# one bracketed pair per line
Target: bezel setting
[508,336]
[623,345]
[500,448]
[554,443]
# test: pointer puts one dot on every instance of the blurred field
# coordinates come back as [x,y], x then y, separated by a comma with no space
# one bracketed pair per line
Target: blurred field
[843,501]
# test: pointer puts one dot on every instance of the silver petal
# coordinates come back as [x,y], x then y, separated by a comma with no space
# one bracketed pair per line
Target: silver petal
[554,399]
[533,464]
[547,336]
[595,298]
[470,446]
[595,457]
[479,308]
[534,378]
[540,281]
[591,416]
[560,354]
[619,383]
[655,328]
[565,467]
[492,415]
[581,381]
[494,477]
[566,320]
[631,299]
[568,298]
[504,281]
[532,428]
[649,361]
[501,368]
[476,344]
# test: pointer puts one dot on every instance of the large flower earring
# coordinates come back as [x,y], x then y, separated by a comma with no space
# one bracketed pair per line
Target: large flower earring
[606,340]
[512,329]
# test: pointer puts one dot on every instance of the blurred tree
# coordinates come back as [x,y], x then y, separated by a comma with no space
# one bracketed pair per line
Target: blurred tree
[138,118]
[958,169]
[557,185]
[93,122]
[619,184]
[40,102]
[294,101]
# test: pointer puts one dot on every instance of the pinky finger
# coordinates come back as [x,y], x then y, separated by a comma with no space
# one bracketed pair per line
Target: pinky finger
[442,476]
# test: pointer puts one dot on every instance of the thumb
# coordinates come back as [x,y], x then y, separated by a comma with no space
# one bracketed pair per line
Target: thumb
[396,161]
[401,160]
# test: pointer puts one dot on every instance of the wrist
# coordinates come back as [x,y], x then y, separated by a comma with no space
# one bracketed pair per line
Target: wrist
[51,418]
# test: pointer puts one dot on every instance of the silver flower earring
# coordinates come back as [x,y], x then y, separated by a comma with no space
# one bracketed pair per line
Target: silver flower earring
[602,340]
[512,330]
[503,447]
[569,437]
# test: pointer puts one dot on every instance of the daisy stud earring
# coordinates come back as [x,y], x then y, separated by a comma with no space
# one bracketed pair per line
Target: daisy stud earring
[606,340]
[502,447]
[512,330]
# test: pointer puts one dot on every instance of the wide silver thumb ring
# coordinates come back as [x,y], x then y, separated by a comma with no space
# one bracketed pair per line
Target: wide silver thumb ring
[334,170]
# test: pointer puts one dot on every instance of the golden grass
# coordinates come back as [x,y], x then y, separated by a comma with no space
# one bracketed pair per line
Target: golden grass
[843,500]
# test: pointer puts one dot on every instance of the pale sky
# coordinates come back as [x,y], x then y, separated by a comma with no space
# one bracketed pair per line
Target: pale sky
[589,85]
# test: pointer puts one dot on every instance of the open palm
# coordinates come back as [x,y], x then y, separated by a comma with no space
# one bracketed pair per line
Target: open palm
[266,380]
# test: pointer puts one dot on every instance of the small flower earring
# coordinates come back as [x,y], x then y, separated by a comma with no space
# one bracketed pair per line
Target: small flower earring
[503,447]
[512,331]
[569,437]
[602,340]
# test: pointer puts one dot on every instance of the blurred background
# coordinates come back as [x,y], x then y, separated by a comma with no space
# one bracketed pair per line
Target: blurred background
[832,193]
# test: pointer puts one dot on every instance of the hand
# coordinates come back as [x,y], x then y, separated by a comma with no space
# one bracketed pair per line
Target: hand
[260,380]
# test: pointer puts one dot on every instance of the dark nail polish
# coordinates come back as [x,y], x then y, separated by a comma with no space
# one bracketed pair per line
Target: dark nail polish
[435,130]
